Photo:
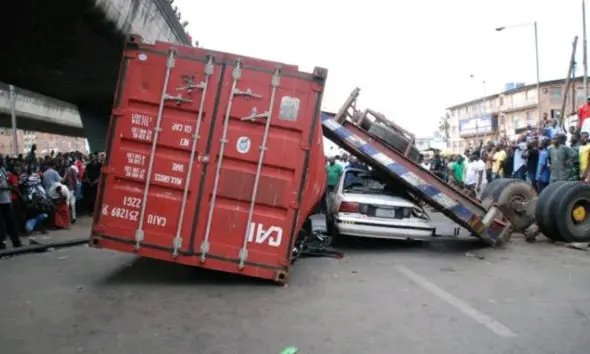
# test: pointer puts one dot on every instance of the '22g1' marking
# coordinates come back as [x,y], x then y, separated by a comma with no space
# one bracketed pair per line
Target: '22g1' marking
[132,202]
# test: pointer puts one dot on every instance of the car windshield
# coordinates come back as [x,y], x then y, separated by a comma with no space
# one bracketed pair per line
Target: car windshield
[363,182]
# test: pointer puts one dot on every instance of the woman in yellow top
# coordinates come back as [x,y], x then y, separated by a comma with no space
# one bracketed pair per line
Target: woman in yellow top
[584,154]
[498,163]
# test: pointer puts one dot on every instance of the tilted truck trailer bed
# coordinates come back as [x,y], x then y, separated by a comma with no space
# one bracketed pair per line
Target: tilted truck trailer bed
[389,151]
[212,159]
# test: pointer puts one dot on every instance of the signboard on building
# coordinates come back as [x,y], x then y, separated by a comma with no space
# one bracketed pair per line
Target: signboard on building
[482,125]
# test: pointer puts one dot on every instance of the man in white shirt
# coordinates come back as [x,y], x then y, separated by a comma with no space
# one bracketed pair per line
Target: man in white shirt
[474,172]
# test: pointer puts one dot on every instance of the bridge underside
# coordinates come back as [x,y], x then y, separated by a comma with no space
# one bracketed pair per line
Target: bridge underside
[26,123]
[66,50]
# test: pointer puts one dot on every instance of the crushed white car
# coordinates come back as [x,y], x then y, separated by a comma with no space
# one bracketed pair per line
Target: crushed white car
[362,206]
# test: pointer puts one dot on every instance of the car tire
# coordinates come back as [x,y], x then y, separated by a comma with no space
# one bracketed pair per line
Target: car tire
[395,140]
[329,224]
[545,210]
[574,197]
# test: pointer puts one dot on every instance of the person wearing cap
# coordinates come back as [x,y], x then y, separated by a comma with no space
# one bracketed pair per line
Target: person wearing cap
[583,115]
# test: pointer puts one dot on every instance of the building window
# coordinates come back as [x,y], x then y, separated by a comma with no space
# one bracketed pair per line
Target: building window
[518,123]
[556,91]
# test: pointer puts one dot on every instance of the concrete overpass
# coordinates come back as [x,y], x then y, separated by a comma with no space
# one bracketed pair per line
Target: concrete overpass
[71,50]
[40,113]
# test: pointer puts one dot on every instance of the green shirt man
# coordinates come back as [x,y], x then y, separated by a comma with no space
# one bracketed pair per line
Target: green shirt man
[333,170]
[458,169]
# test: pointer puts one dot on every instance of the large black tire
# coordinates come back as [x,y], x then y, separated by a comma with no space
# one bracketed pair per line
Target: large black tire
[575,197]
[545,210]
[489,188]
[516,190]
[495,185]
[395,140]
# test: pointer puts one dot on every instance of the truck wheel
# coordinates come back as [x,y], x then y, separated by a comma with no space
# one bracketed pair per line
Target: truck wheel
[492,188]
[515,192]
[572,214]
[395,140]
[544,210]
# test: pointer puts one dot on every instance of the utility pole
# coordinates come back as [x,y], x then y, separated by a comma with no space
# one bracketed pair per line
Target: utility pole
[538,76]
[586,94]
[12,90]
[568,81]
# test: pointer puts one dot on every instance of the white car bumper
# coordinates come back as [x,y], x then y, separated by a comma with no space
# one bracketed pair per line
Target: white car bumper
[391,229]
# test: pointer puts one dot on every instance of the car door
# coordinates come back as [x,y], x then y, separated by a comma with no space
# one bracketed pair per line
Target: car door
[336,197]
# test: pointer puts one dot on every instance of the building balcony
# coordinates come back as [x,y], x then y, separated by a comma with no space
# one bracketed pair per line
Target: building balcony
[509,108]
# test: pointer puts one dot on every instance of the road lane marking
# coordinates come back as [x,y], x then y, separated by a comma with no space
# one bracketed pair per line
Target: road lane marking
[469,311]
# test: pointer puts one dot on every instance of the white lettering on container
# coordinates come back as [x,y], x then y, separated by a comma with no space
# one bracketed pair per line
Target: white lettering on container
[134,158]
[177,167]
[184,142]
[273,236]
[141,134]
[158,177]
[134,172]
[179,127]
[156,220]
[141,119]
[132,202]
[124,214]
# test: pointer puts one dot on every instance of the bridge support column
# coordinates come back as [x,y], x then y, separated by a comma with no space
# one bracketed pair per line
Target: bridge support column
[95,122]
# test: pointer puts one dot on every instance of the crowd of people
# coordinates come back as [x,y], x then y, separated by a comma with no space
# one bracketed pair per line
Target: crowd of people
[38,193]
[541,157]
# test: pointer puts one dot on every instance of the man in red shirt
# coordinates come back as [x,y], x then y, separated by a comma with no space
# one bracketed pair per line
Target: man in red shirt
[584,113]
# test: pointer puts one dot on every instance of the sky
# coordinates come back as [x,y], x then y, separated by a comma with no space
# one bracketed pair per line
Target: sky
[411,59]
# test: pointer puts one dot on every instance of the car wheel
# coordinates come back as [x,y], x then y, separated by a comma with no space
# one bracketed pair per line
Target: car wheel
[335,237]
[329,225]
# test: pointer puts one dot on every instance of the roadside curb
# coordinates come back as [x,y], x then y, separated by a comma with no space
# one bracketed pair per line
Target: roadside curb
[44,247]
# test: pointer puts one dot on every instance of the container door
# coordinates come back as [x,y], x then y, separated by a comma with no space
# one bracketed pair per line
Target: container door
[258,147]
[156,155]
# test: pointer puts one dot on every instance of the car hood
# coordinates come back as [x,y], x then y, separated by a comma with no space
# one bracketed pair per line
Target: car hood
[379,199]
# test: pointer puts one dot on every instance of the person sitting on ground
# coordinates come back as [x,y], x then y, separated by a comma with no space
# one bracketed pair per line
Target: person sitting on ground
[38,213]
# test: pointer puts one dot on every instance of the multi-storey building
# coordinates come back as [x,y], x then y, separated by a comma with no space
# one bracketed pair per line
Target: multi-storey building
[45,142]
[509,113]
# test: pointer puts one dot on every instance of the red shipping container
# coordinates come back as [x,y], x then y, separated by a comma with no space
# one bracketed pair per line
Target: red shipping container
[213,159]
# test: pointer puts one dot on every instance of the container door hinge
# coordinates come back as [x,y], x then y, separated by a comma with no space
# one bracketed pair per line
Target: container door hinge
[294,205]
[177,244]
[204,250]
[305,147]
[138,239]
[243,257]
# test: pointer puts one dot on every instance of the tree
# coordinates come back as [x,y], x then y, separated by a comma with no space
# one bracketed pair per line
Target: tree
[444,127]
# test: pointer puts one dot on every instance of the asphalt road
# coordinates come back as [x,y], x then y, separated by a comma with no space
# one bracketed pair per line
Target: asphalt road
[383,297]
